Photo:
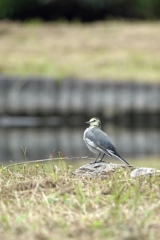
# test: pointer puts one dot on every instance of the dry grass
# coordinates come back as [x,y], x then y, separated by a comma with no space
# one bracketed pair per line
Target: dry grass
[42,202]
[119,50]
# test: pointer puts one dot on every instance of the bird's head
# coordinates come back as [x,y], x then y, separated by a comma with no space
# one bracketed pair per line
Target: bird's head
[95,122]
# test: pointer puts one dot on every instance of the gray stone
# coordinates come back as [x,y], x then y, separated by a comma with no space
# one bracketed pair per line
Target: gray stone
[144,171]
[103,169]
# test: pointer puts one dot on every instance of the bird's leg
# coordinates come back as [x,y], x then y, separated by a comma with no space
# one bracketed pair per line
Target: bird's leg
[96,159]
[101,160]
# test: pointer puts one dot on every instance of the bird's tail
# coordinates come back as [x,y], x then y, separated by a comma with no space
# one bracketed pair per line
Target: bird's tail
[116,154]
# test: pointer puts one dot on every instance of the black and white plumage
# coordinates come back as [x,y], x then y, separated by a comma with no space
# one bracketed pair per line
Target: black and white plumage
[98,141]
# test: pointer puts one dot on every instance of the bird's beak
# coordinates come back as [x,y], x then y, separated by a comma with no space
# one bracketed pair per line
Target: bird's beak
[87,122]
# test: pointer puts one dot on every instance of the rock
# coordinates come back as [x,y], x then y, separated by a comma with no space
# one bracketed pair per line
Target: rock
[102,169]
[144,171]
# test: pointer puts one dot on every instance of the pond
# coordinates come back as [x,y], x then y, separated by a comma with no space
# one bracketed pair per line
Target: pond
[36,142]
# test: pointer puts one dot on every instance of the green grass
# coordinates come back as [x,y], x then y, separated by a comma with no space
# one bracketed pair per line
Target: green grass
[102,50]
[42,201]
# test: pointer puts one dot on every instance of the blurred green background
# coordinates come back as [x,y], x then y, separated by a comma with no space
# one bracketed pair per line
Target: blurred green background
[84,10]
[71,43]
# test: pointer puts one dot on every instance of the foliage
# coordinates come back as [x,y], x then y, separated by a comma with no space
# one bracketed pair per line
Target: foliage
[84,10]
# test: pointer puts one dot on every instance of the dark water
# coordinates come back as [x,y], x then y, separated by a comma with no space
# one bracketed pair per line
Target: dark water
[19,143]
[43,117]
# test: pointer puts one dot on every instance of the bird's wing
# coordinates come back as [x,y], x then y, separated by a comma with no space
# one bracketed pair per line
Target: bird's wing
[90,142]
[99,140]
[103,140]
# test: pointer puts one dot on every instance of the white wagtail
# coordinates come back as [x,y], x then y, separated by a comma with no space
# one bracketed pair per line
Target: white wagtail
[98,141]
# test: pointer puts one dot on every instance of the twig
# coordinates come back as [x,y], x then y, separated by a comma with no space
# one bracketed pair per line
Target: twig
[44,160]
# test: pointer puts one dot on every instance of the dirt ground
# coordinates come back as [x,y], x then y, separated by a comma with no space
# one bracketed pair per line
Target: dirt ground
[117,50]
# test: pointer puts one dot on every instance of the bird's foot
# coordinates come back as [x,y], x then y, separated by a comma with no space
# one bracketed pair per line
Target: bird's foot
[100,161]
[97,162]
[93,162]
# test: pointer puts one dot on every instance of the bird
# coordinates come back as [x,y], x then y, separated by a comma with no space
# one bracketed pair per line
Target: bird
[98,142]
